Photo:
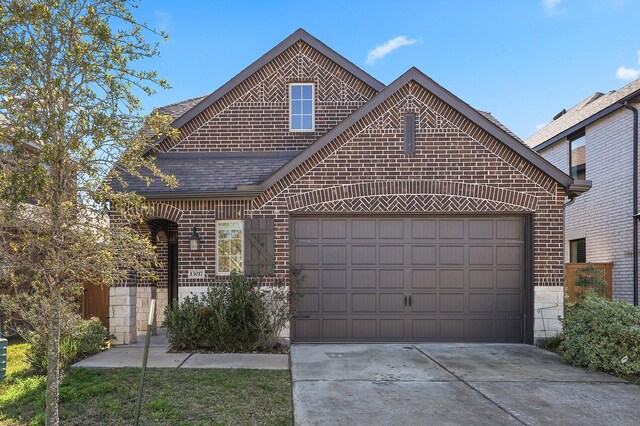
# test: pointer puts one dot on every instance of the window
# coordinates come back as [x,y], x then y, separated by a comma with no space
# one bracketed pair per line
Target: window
[229,246]
[578,162]
[301,108]
[578,251]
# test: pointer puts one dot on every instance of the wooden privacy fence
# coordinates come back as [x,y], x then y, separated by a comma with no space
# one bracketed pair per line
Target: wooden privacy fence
[94,302]
[570,278]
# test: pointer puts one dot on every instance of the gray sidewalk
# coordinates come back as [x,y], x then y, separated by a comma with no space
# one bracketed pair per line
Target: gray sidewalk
[159,357]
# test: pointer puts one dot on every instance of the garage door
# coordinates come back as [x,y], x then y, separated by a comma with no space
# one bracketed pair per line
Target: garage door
[409,279]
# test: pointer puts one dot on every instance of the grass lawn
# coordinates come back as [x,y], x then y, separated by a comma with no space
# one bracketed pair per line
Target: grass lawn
[172,396]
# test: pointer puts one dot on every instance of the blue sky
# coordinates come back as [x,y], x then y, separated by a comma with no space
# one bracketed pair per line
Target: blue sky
[523,60]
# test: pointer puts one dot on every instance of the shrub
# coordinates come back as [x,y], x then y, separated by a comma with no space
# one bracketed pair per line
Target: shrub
[239,315]
[79,339]
[602,335]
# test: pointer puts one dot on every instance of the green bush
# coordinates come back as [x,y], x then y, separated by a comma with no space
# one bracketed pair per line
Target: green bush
[79,339]
[239,315]
[591,278]
[602,335]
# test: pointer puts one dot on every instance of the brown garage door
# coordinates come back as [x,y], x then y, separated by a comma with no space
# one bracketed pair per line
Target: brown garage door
[409,279]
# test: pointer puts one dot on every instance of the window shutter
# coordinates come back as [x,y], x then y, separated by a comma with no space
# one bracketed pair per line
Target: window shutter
[258,247]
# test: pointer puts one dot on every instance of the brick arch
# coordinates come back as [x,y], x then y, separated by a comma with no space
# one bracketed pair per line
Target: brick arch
[165,211]
[434,195]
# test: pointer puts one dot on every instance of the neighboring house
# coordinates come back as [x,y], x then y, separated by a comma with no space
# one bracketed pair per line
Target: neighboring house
[413,216]
[594,140]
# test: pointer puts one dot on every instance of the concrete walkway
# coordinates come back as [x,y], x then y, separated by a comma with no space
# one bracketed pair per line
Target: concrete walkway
[159,357]
[452,384]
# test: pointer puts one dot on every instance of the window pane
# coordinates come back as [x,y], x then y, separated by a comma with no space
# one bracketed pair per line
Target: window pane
[307,92]
[578,251]
[224,265]
[307,122]
[296,91]
[296,107]
[296,122]
[578,159]
[306,107]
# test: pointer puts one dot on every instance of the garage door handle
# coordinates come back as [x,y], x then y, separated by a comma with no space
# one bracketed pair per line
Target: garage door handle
[405,301]
[410,301]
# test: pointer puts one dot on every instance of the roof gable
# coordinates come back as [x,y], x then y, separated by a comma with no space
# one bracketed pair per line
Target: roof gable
[488,125]
[201,104]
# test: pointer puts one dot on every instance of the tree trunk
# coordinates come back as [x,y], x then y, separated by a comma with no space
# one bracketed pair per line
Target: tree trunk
[53,367]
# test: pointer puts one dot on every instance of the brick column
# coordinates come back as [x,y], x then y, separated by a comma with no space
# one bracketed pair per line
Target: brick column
[122,315]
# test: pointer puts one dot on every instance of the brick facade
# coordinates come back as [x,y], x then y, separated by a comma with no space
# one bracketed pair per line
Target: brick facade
[457,166]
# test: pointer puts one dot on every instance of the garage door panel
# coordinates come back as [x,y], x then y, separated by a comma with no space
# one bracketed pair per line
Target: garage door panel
[363,278]
[481,278]
[391,255]
[423,229]
[391,278]
[363,229]
[451,229]
[391,302]
[451,255]
[311,279]
[364,302]
[334,278]
[423,255]
[481,255]
[306,229]
[306,255]
[424,328]
[423,278]
[452,329]
[452,278]
[481,303]
[392,328]
[309,303]
[365,328]
[363,255]
[509,229]
[334,229]
[391,229]
[334,328]
[334,302]
[410,279]
[424,302]
[452,302]
[481,229]
[508,279]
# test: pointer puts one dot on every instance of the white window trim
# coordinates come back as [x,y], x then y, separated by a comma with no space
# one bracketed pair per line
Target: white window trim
[313,106]
[241,244]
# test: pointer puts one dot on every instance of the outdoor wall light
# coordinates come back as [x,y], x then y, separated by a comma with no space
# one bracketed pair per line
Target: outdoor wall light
[195,242]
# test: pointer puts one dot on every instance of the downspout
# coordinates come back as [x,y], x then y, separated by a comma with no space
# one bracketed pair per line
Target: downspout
[635,201]
[572,198]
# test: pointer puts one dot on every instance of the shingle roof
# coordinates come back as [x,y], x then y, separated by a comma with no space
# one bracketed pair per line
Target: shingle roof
[208,172]
[498,123]
[583,111]
[177,109]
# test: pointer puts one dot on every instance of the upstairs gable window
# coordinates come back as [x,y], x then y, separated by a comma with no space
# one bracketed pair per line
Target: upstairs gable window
[578,161]
[301,107]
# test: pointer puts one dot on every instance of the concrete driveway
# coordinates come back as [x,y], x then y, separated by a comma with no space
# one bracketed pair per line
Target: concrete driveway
[438,384]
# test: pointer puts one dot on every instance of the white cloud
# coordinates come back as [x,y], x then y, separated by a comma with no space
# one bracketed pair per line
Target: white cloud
[540,126]
[551,6]
[385,48]
[625,73]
